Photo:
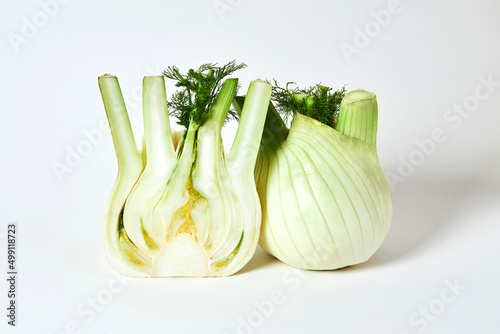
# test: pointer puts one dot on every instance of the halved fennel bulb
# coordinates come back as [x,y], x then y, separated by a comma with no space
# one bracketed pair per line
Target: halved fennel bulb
[187,210]
[325,201]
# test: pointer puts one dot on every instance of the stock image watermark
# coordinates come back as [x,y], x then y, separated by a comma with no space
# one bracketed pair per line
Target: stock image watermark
[87,311]
[453,117]
[292,279]
[222,7]
[363,37]
[421,319]
[133,99]
[92,138]
[30,26]
[11,238]
[83,148]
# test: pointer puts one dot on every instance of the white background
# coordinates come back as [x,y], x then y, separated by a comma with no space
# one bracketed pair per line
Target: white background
[427,58]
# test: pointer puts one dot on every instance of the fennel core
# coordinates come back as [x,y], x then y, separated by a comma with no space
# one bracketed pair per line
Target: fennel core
[186,210]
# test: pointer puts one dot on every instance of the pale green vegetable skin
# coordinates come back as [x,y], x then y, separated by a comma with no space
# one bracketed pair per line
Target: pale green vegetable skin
[185,210]
[325,201]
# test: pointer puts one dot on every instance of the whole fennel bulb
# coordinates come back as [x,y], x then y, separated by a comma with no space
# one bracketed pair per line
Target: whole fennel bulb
[325,201]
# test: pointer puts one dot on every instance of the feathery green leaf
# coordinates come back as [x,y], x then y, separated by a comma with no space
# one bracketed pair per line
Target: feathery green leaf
[198,90]
[318,102]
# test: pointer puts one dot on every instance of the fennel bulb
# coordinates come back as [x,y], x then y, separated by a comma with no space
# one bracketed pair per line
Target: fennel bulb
[185,209]
[325,201]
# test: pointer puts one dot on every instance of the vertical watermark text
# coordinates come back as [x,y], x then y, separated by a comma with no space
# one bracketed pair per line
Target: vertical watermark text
[12,274]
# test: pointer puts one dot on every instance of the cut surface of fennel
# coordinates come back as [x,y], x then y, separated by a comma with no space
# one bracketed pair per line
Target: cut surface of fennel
[190,210]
